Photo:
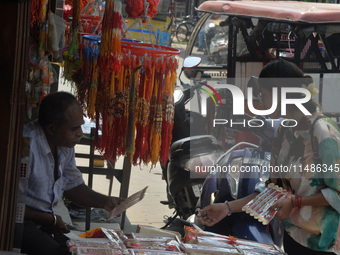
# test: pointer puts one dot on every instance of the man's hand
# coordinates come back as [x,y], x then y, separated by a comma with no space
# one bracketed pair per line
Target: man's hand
[46,220]
[84,196]
[112,202]
[60,226]
[213,213]
[284,208]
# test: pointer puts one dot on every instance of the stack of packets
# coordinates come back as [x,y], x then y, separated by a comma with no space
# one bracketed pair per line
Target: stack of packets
[195,242]
[115,242]
[153,244]
[99,241]
[200,242]
[259,206]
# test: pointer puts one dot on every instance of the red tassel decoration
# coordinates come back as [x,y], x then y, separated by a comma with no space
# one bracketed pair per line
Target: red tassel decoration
[168,110]
[156,117]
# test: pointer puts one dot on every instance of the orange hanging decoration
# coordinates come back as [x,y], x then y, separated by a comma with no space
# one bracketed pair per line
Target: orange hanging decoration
[152,11]
[143,112]
[150,99]
[88,90]
[168,110]
[133,94]
[113,102]
[156,115]
[128,103]
[136,8]
[110,58]
[38,11]
[115,125]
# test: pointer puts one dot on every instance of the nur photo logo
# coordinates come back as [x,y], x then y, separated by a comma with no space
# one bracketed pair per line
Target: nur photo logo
[281,98]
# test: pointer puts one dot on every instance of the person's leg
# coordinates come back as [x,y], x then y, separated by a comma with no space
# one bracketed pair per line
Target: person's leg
[201,39]
[37,242]
[292,247]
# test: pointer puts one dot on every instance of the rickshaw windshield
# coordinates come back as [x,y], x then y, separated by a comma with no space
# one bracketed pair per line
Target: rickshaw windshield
[209,41]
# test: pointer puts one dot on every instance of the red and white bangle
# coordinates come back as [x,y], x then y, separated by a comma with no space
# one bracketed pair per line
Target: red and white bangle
[229,207]
[299,202]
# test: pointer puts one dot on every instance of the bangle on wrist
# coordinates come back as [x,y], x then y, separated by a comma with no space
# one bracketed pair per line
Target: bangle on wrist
[229,207]
[299,202]
[54,219]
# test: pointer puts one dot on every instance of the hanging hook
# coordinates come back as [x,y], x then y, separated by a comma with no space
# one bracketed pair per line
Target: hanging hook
[146,8]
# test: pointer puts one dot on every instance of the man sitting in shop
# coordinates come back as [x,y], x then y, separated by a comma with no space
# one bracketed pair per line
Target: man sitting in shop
[52,172]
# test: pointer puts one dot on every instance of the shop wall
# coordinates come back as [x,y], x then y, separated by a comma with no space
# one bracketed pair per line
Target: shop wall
[14,34]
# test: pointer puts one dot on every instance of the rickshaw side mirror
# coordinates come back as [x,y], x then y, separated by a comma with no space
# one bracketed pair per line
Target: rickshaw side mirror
[191,62]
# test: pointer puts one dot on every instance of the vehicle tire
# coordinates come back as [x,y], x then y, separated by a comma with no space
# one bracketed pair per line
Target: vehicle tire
[190,27]
[182,32]
[217,58]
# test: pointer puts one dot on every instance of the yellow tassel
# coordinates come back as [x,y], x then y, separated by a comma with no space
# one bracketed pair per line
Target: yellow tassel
[91,107]
[167,87]
[155,148]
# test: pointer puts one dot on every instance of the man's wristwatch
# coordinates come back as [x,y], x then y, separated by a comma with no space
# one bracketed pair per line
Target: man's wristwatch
[54,219]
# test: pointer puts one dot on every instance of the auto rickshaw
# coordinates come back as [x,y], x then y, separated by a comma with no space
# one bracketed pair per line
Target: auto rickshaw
[248,34]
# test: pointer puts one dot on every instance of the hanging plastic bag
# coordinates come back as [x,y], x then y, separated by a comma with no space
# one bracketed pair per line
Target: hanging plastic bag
[56,38]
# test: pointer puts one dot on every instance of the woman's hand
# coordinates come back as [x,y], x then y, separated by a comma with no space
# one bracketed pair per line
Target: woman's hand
[212,214]
[284,208]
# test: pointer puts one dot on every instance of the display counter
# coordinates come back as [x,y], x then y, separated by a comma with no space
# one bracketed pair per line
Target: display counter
[155,241]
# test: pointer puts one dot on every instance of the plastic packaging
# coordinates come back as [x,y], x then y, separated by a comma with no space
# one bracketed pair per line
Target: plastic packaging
[259,207]
[206,249]
[153,245]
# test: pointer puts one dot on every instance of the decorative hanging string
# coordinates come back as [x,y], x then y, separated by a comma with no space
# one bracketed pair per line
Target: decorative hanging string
[90,73]
[113,140]
[109,59]
[38,11]
[168,110]
[131,106]
[120,82]
[156,114]
[71,60]
[133,94]
[143,111]
[73,57]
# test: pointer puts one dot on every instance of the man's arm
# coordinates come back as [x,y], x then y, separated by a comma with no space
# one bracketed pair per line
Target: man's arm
[42,218]
[86,197]
[46,220]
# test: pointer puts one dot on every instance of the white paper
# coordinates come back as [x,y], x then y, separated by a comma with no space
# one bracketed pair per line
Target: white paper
[130,201]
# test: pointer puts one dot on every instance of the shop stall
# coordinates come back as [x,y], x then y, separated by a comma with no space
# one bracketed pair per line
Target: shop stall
[124,85]
[33,43]
[153,241]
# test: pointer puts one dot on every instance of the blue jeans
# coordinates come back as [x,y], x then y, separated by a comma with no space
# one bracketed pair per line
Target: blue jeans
[201,38]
